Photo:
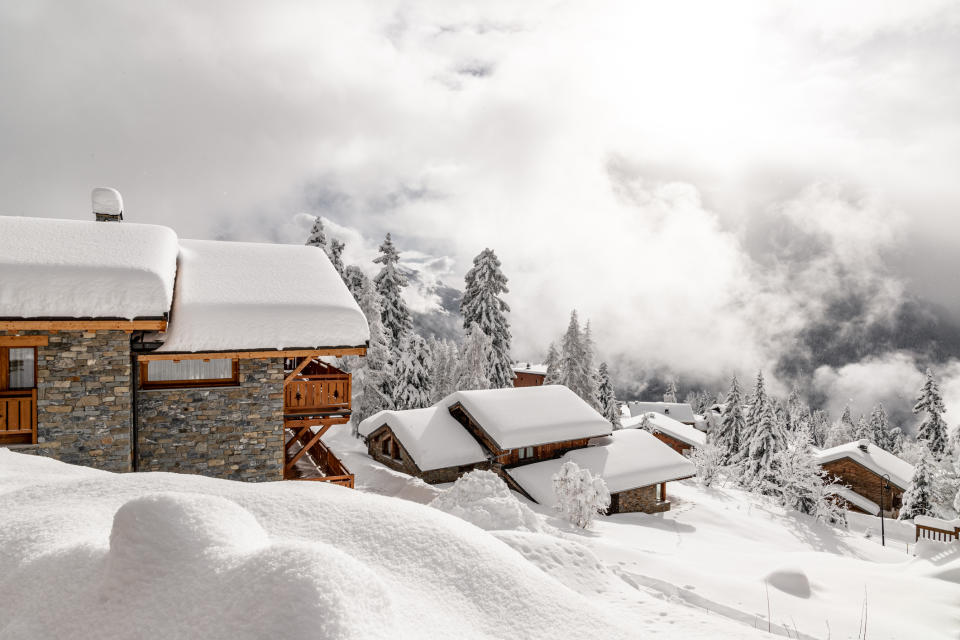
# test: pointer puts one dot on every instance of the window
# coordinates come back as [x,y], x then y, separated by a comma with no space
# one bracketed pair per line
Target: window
[19,365]
[525,452]
[166,374]
[18,395]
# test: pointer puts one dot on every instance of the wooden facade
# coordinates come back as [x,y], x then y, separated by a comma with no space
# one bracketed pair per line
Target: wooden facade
[866,483]
[528,379]
[384,447]
[681,447]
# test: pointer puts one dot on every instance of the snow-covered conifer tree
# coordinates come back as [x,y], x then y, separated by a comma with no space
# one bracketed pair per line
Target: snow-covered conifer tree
[355,280]
[445,371]
[373,375]
[474,360]
[593,380]
[880,427]
[729,436]
[553,365]
[759,403]
[895,440]
[708,458]
[580,495]
[819,427]
[608,401]
[862,430]
[670,395]
[390,283]
[412,374]
[335,253]
[573,373]
[932,430]
[765,443]
[482,305]
[919,499]
[842,431]
[802,481]
[318,237]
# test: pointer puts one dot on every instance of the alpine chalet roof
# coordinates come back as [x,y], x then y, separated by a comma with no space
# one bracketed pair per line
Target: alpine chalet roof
[874,458]
[676,410]
[62,269]
[242,295]
[527,416]
[432,437]
[668,426]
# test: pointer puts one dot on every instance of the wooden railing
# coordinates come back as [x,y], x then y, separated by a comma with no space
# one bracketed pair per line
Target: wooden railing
[314,394]
[329,467]
[928,532]
[18,416]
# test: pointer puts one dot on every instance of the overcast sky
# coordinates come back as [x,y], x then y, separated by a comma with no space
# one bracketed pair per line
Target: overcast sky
[704,180]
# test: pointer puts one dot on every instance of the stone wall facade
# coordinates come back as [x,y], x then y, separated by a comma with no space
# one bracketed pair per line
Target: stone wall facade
[866,483]
[643,499]
[226,432]
[83,399]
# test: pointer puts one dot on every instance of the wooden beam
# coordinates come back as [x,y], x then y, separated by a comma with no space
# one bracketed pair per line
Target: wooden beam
[83,325]
[300,367]
[24,341]
[337,352]
[304,448]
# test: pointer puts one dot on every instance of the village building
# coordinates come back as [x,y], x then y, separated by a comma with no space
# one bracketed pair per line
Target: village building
[529,375]
[680,437]
[124,348]
[679,411]
[634,464]
[864,477]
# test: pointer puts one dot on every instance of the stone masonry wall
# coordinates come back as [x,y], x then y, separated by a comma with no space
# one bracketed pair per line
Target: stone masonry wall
[225,432]
[643,499]
[406,464]
[83,399]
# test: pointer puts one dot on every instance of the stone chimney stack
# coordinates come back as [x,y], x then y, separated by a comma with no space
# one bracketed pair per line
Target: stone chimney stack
[107,204]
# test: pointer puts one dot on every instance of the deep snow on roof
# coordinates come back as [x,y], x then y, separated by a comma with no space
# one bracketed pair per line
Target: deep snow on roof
[854,498]
[527,416]
[241,295]
[667,425]
[676,410]
[874,458]
[431,436]
[627,459]
[53,268]
[527,367]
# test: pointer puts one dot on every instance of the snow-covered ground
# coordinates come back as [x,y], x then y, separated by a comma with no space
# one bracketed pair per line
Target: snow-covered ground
[87,554]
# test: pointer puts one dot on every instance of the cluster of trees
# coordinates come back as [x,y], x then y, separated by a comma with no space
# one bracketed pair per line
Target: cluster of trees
[766,445]
[572,365]
[401,369]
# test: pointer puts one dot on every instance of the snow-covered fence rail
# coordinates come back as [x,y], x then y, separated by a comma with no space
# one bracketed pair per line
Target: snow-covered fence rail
[937,529]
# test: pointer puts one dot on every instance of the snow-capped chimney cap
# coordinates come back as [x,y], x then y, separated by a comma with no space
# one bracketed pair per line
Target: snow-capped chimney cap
[864,444]
[107,204]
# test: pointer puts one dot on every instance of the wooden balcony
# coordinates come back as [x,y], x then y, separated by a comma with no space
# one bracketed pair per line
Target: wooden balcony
[308,458]
[18,417]
[316,389]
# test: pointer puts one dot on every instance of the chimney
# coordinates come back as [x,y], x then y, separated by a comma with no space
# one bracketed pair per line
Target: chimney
[107,204]
[864,445]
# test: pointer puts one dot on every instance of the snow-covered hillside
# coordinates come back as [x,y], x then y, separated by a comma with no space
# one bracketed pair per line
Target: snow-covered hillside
[86,553]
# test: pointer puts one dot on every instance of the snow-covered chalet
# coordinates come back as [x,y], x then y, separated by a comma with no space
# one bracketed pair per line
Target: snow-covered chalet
[125,348]
[525,435]
[680,437]
[864,474]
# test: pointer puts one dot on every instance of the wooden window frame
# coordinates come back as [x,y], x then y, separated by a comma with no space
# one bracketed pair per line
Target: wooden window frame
[233,381]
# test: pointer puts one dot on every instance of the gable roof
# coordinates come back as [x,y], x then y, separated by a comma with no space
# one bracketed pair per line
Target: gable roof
[61,269]
[874,458]
[626,459]
[527,416]
[431,436]
[527,367]
[243,295]
[676,410]
[668,426]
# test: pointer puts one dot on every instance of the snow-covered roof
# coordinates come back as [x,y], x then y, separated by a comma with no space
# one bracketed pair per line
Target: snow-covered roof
[676,410]
[627,459]
[874,458]
[431,436]
[854,498]
[527,416]
[668,426]
[241,295]
[527,367]
[83,269]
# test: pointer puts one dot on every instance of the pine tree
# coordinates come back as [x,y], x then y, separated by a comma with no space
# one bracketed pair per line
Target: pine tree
[842,431]
[759,403]
[445,371]
[318,237]
[593,380]
[819,427]
[862,431]
[335,253]
[373,377]
[670,395]
[895,440]
[765,443]
[390,283]
[803,482]
[573,373]
[474,360]
[412,371]
[356,280]
[880,428]
[553,365]
[918,500]
[483,306]
[729,437]
[608,400]
[932,430]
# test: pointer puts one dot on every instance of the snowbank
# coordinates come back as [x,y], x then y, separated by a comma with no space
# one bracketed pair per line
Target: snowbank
[667,425]
[241,295]
[628,459]
[526,416]
[874,458]
[431,436]
[483,498]
[676,410]
[78,269]
[156,555]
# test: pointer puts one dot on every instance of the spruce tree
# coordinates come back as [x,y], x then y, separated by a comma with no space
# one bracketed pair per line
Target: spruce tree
[819,427]
[445,371]
[729,437]
[390,283]
[758,405]
[355,279]
[932,430]
[862,431]
[474,360]
[573,373]
[373,377]
[670,395]
[918,500]
[483,306]
[880,428]
[608,400]
[593,380]
[335,253]
[318,237]
[553,365]
[765,443]
[412,371]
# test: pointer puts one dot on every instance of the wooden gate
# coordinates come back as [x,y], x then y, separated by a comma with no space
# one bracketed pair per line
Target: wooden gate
[18,416]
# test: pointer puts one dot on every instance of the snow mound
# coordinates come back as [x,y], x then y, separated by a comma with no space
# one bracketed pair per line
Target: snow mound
[790,581]
[483,498]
